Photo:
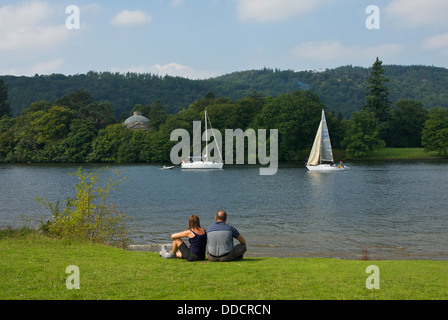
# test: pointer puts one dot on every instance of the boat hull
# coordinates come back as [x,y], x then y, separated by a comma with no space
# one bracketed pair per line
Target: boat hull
[202,165]
[326,167]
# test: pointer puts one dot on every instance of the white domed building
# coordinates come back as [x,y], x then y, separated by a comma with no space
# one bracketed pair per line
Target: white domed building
[137,122]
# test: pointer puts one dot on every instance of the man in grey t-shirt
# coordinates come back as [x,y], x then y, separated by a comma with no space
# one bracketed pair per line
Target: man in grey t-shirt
[220,241]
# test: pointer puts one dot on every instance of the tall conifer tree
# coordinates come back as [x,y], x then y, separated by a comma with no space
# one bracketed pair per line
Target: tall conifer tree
[377,99]
[377,93]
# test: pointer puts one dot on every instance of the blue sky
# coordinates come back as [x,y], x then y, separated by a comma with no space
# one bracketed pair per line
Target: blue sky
[207,38]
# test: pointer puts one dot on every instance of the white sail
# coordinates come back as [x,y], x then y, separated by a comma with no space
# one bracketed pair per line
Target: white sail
[326,153]
[321,151]
[314,158]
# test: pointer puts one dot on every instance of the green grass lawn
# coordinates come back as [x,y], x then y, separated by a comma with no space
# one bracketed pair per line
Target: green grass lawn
[34,267]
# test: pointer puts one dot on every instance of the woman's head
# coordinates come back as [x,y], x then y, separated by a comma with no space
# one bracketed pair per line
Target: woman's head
[193,222]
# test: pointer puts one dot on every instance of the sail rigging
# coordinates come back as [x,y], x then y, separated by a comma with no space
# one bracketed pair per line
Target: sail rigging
[321,150]
[326,152]
[206,137]
[314,158]
[203,161]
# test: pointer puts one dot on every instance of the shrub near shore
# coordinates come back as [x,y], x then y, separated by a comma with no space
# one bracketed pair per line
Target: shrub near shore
[88,216]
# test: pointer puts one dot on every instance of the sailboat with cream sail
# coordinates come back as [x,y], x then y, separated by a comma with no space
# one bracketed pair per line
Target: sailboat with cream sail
[321,156]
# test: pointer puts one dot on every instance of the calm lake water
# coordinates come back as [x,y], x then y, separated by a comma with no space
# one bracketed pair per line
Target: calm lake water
[396,210]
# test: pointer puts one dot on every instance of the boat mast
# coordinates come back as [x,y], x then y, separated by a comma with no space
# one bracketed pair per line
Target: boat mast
[206,137]
[321,137]
[214,139]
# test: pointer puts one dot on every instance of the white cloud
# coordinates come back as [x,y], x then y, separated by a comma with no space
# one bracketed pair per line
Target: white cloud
[25,26]
[437,42]
[175,69]
[336,51]
[10,72]
[47,67]
[417,13]
[91,8]
[172,69]
[131,18]
[31,68]
[176,3]
[274,10]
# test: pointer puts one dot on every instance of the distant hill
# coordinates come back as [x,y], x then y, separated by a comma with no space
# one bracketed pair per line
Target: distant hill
[343,89]
[340,89]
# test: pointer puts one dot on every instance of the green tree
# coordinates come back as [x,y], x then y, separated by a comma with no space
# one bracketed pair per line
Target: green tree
[159,145]
[296,116]
[53,125]
[7,141]
[336,129]
[224,115]
[140,142]
[51,128]
[78,145]
[37,106]
[110,146]
[377,96]
[75,101]
[99,114]
[5,109]
[362,134]
[38,132]
[406,124]
[435,132]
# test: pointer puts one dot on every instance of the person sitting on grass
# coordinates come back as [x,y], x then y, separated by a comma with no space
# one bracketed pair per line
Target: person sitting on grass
[220,241]
[197,238]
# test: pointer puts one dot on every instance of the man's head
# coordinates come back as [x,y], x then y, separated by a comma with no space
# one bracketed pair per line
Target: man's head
[221,216]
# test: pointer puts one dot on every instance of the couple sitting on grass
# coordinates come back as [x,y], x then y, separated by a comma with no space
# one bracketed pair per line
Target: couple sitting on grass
[220,241]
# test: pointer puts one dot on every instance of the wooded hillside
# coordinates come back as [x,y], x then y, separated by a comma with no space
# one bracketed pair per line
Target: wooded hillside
[341,89]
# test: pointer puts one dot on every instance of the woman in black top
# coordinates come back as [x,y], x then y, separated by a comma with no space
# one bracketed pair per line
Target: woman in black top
[197,238]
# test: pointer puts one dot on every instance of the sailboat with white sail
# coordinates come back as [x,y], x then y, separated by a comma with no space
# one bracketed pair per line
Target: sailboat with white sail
[321,156]
[203,162]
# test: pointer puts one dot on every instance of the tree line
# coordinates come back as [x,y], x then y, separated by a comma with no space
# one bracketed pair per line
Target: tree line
[77,129]
[340,89]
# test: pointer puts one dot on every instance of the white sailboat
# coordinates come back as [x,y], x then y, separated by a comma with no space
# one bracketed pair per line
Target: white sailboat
[322,152]
[198,162]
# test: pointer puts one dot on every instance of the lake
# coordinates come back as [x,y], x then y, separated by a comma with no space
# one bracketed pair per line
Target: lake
[394,210]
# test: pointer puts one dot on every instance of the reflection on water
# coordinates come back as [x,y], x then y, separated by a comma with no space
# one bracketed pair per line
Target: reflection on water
[395,210]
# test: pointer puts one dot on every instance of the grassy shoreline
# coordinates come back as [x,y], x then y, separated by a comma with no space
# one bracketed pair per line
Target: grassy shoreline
[384,154]
[402,154]
[33,267]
